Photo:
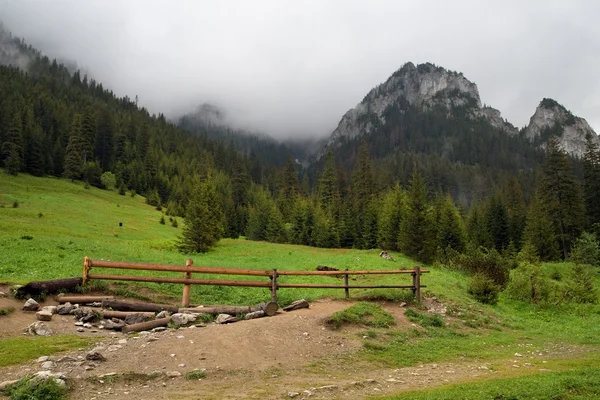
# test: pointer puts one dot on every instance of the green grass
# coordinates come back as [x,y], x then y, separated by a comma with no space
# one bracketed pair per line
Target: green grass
[21,349]
[26,389]
[362,313]
[6,311]
[582,384]
[194,375]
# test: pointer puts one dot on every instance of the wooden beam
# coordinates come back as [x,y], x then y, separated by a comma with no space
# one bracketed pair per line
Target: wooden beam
[145,326]
[158,279]
[82,299]
[120,305]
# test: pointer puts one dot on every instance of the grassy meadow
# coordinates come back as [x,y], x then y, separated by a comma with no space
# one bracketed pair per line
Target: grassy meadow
[58,222]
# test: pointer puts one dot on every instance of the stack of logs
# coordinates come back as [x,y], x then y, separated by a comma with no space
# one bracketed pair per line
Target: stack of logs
[113,308]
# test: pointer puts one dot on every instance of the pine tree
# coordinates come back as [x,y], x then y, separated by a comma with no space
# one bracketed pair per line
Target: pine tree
[496,220]
[417,235]
[289,189]
[275,230]
[390,219]
[73,165]
[12,147]
[562,196]
[539,231]
[591,188]
[450,226]
[476,227]
[517,211]
[203,220]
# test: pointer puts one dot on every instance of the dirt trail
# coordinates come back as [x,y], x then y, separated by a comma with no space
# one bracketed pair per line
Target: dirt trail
[258,359]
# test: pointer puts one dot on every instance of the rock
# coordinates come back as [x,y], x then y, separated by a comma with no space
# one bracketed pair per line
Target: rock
[327,387]
[136,318]
[5,384]
[291,395]
[89,368]
[107,375]
[152,339]
[394,380]
[50,309]
[65,309]
[159,329]
[42,359]
[43,376]
[163,314]
[386,255]
[114,324]
[255,314]
[31,305]
[114,347]
[66,359]
[2,295]
[173,374]
[43,316]
[39,329]
[80,329]
[225,319]
[122,341]
[78,323]
[307,393]
[94,356]
[179,319]
[88,325]
[86,314]
[48,365]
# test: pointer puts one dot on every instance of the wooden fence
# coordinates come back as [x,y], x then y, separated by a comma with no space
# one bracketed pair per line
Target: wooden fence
[272,284]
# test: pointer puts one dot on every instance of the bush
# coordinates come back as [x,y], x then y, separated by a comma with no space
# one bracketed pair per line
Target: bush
[528,283]
[122,189]
[108,180]
[195,375]
[16,204]
[29,388]
[174,223]
[483,289]
[487,262]
[586,250]
[580,285]
[162,219]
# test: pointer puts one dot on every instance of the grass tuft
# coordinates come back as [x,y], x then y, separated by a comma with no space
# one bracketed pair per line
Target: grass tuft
[195,375]
[362,313]
[31,389]
[424,320]
[6,311]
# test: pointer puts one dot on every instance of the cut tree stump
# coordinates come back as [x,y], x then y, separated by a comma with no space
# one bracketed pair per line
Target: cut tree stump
[35,289]
[82,299]
[119,305]
[298,304]
[144,326]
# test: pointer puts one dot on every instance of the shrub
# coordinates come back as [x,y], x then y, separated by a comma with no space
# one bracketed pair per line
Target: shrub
[586,250]
[580,285]
[529,283]
[487,262]
[29,388]
[483,289]
[15,204]
[122,189]
[194,375]
[108,180]
[174,223]
[162,219]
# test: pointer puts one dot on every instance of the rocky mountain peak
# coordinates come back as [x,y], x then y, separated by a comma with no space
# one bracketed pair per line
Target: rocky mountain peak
[425,86]
[553,119]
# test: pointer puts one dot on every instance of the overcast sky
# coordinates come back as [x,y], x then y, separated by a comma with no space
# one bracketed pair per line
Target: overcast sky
[295,67]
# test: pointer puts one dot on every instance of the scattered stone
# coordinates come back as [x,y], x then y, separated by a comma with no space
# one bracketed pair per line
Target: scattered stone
[86,314]
[43,376]
[31,305]
[152,339]
[291,395]
[136,318]
[159,329]
[80,329]
[39,329]
[200,325]
[43,316]
[518,355]
[114,324]
[307,393]
[163,314]
[88,325]
[114,347]
[88,368]
[50,309]
[385,254]
[370,381]
[394,380]
[257,314]
[181,365]
[65,309]
[48,365]
[122,341]
[180,319]
[66,359]
[109,374]
[94,356]
[42,359]
[5,384]
[173,374]
[2,295]
[225,319]
[96,304]
[78,323]
[327,387]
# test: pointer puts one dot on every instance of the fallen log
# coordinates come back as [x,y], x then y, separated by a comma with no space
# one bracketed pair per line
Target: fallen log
[119,305]
[144,326]
[123,314]
[35,289]
[269,308]
[298,304]
[82,299]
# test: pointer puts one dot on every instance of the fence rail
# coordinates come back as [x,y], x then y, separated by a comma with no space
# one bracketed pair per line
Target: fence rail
[272,284]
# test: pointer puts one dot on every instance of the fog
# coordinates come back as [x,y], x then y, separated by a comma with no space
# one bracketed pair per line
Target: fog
[294,68]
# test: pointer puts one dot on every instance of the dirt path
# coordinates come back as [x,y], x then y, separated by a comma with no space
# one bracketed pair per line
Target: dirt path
[258,359]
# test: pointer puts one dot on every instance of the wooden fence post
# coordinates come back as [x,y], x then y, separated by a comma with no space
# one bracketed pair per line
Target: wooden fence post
[346,284]
[185,301]
[417,283]
[274,286]
[86,270]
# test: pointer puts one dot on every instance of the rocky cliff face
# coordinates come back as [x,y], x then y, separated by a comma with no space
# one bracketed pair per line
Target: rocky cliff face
[552,119]
[424,85]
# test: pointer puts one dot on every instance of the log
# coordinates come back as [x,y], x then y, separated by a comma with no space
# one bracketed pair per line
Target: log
[35,289]
[144,326]
[120,305]
[82,299]
[123,314]
[298,304]
[269,308]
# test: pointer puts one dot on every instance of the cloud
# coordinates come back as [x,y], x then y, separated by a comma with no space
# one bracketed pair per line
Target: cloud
[294,68]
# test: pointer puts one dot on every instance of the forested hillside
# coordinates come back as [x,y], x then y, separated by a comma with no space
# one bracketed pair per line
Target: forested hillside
[395,189]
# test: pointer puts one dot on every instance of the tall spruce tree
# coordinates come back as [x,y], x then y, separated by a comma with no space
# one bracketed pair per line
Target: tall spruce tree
[203,220]
[591,188]
[561,194]
[12,147]
[451,230]
[390,218]
[417,232]
[517,211]
[539,230]
[496,221]
[73,165]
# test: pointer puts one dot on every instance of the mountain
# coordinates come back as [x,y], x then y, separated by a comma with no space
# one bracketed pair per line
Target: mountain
[553,119]
[424,86]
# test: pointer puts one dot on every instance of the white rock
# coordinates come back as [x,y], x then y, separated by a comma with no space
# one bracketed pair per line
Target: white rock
[31,305]
[43,315]
[47,365]
[39,329]
[42,359]
[114,347]
[50,309]
[173,374]
[291,395]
